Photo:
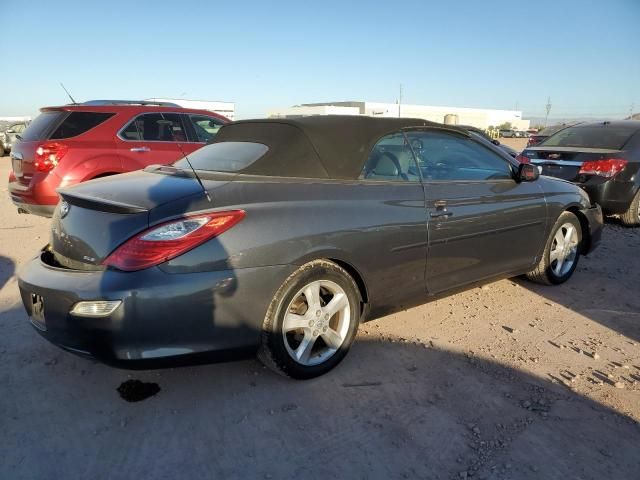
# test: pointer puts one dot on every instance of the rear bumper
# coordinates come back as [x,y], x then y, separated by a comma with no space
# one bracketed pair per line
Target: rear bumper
[175,317]
[614,196]
[38,197]
[595,220]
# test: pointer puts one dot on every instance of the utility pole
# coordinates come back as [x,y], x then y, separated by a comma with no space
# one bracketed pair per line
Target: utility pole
[631,109]
[400,103]
[548,107]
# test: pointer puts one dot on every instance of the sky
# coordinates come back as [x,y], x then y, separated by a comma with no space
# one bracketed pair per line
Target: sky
[583,54]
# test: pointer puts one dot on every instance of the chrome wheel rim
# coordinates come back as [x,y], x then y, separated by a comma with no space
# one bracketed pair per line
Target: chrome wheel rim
[316,322]
[564,250]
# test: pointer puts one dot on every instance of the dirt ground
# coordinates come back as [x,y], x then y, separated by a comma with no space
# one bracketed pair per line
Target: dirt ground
[511,380]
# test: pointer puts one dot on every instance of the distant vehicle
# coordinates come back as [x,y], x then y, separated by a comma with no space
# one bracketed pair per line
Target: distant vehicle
[484,135]
[10,135]
[507,133]
[602,158]
[291,234]
[545,133]
[74,143]
[521,134]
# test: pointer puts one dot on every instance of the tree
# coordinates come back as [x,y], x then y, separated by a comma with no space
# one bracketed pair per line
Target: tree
[505,126]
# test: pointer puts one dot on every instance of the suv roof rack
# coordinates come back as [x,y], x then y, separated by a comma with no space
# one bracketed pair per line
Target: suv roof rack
[130,102]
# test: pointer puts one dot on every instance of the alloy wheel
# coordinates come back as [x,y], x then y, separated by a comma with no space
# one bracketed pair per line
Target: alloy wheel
[564,250]
[316,322]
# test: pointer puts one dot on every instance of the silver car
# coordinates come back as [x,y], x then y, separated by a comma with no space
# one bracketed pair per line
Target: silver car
[11,135]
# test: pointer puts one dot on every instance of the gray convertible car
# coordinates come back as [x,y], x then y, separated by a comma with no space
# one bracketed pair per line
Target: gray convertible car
[281,236]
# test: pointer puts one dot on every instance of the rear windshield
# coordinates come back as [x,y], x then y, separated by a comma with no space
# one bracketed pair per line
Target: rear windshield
[224,156]
[608,137]
[41,125]
[78,123]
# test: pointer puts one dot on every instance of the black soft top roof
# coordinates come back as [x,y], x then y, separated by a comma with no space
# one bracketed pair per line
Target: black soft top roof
[333,146]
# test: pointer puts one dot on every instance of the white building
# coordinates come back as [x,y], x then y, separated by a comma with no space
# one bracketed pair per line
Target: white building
[226,109]
[478,117]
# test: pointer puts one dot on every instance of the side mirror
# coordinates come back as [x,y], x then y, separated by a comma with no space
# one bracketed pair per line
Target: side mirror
[528,172]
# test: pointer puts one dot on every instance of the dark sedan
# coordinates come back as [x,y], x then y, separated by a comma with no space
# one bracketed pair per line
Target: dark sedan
[281,236]
[603,158]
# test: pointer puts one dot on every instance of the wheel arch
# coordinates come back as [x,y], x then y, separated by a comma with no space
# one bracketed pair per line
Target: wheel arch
[584,227]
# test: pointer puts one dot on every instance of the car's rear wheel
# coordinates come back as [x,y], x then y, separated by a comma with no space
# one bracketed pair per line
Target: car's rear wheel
[561,253]
[311,321]
[631,217]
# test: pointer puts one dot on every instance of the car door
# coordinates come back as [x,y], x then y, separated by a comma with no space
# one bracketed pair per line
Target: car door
[153,138]
[482,222]
[391,204]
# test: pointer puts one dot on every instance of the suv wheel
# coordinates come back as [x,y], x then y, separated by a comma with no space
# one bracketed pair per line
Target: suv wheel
[311,321]
[631,218]
[561,253]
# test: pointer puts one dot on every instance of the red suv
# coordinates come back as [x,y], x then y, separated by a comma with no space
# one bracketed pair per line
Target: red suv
[74,143]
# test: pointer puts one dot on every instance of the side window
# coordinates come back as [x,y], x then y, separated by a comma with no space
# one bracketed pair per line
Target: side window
[155,127]
[447,156]
[205,127]
[391,159]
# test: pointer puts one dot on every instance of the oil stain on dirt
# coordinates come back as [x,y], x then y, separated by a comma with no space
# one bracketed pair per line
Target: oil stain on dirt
[136,390]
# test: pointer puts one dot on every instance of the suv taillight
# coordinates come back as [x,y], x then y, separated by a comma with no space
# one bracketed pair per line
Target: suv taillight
[523,158]
[607,168]
[48,155]
[169,240]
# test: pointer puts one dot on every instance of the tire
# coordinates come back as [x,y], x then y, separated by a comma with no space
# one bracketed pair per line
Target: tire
[293,335]
[631,218]
[554,267]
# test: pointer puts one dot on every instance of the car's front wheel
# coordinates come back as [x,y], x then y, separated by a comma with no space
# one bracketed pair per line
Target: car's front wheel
[561,253]
[631,218]
[311,321]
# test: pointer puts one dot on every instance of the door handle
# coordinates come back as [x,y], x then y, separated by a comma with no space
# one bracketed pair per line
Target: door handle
[441,210]
[140,149]
[440,213]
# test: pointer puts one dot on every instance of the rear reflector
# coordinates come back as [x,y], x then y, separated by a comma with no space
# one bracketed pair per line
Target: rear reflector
[607,168]
[97,308]
[171,239]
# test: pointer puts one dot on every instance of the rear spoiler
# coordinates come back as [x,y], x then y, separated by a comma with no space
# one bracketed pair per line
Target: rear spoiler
[101,204]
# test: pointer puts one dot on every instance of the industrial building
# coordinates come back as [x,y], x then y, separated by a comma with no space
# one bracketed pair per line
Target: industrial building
[226,109]
[478,117]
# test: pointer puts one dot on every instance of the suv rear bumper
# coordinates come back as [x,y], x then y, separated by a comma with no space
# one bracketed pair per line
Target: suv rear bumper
[39,197]
[33,208]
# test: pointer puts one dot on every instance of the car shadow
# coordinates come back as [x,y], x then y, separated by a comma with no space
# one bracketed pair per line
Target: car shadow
[390,410]
[605,285]
[7,270]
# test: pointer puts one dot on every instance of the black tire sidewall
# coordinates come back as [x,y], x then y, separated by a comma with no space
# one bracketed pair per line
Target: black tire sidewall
[275,341]
[566,217]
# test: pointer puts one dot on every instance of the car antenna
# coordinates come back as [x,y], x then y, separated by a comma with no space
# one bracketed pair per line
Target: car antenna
[204,190]
[68,94]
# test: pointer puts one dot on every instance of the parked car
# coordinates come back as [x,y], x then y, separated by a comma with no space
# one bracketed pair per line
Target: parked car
[70,144]
[545,133]
[507,133]
[10,135]
[286,234]
[483,134]
[602,158]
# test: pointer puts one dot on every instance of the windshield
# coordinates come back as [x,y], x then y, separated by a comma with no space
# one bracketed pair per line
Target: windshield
[597,136]
[224,156]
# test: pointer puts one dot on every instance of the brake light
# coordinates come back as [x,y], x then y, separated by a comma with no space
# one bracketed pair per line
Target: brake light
[607,168]
[523,158]
[169,240]
[49,155]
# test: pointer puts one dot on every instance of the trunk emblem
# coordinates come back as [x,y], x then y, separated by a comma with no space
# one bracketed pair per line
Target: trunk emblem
[64,209]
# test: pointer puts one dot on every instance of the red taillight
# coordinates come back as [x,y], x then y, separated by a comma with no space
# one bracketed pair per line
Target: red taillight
[169,240]
[532,141]
[607,168]
[48,156]
[523,158]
